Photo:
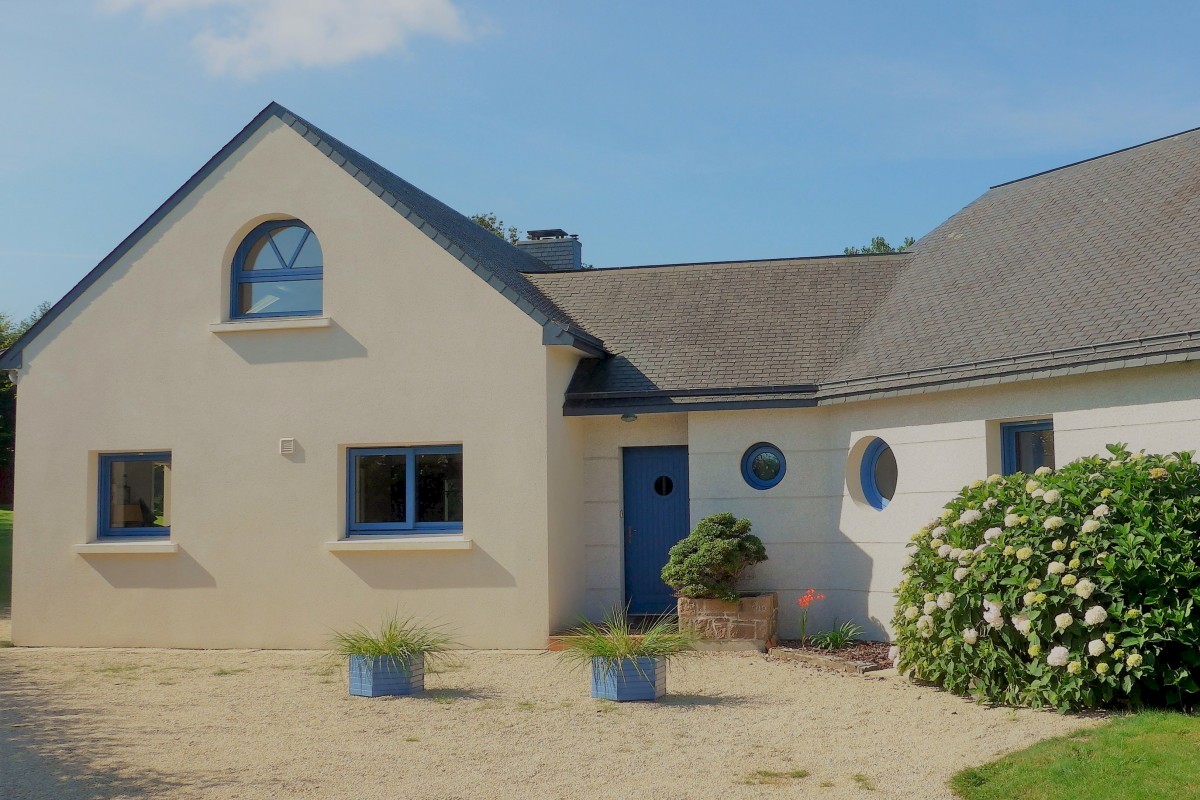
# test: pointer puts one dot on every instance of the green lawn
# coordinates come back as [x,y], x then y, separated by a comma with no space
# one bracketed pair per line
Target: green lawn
[1148,756]
[5,556]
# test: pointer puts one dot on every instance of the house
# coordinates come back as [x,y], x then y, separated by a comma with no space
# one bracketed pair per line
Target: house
[305,393]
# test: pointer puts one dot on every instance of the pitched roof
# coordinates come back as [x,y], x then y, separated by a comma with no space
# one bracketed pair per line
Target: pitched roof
[688,334]
[493,259]
[1091,266]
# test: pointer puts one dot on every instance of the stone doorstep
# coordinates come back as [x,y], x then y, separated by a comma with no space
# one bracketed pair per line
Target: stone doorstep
[825,662]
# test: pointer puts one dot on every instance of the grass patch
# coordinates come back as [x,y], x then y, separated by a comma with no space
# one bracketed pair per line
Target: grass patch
[6,528]
[444,699]
[1149,756]
[411,739]
[223,671]
[770,777]
[864,782]
[526,705]
[119,669]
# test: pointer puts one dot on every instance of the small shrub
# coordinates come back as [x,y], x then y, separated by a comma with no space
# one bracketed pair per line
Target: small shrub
[709,561]
[396,637]
[842,636]
[614,640]
[1073,588]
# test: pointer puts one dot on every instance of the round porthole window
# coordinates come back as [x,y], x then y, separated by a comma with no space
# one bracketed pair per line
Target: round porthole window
[663,485]
[878,474]
[763,465]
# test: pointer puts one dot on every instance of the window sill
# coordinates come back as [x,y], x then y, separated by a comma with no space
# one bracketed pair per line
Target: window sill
[133,547]
[270,324]
[453,541]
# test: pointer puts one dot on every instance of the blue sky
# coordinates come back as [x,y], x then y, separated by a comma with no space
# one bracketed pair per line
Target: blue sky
[659,132]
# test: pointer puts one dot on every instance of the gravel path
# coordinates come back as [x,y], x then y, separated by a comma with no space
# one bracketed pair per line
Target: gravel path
[278,724]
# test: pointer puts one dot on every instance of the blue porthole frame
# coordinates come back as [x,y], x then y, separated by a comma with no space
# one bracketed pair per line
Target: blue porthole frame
[410,525]
[748,462]
[239,275]
[104,528]
[866,474]
[1008,440]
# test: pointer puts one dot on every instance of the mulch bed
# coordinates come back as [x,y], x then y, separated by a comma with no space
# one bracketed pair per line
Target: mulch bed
[867,656]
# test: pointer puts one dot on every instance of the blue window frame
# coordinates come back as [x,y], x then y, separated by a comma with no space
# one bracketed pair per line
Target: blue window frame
[1025,446]
[763,466]
[878,474]
[277,272]
[392,490]
[134,495]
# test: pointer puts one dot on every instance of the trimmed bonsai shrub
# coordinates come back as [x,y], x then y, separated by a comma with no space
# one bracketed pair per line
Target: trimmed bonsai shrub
[708,563]
[1073,588]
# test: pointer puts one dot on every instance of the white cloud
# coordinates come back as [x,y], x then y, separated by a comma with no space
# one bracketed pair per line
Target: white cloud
[251,37]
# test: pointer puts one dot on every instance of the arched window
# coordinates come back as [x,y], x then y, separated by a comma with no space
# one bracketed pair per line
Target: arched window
[277,272]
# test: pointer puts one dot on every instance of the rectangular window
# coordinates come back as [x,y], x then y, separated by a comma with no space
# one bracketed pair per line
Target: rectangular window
[1025,446]
[135,495]
[404,489]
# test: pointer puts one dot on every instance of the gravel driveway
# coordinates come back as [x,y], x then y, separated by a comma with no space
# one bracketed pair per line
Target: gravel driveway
[258,724]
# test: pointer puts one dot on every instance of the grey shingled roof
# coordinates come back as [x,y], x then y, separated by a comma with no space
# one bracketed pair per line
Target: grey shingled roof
[1091,266]
[705,333]
[491,258]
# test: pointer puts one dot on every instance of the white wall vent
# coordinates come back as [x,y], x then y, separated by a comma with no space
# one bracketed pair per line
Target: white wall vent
[287,447]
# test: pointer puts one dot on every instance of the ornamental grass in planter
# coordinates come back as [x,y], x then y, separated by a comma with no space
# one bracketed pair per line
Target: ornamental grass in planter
[391,660]
[626,665]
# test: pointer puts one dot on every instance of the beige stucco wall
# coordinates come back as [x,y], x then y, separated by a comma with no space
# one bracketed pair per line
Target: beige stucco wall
[420,351]
[817,534]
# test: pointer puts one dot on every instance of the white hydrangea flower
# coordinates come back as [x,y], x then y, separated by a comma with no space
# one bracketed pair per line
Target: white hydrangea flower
[1024,553]
[1096,647]
[991,533]
[1101,510]
[1056,568]
[912,612]
[979,548]
[1115,463]
[1052,496]
[940,531]
[1075,667]
[994,478]
[1030,598]
[1069,579]
[1038,493]
[946,515]
[1064,621]
[1095,615]
[1009,550]
[1031,486]
[1138,456]
[930,606]
[1033,583]
[1134,660]
[1090,526]
[1012,520]
[1084,588]
[945,600]
[1058,657]
[1058,545]
[970,635]
[925,626]
[961,573]
[1073,563]
[954,553]
[1022,623]
[934,544]
[969,516]
[1040,471]
[975,484]
[1053,523]
[990,503]
[894,655]
[929,596]
[906,562]
[1101,668]
[945,550]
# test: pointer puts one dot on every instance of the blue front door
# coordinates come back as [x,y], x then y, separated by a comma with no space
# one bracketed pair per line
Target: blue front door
[655,485]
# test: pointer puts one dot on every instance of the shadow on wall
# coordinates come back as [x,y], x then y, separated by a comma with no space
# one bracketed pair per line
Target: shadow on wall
[431,570]
[52,749]
[176,570]
[283,347]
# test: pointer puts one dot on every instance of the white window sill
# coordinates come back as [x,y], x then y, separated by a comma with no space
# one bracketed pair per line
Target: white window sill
[132,547]
[450,541]
[270,324]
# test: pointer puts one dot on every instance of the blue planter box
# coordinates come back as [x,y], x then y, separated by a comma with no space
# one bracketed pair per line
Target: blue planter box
[629,679]
[376,677]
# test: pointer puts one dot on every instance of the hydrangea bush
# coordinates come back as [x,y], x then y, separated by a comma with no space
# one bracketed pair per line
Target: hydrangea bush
[1072,588]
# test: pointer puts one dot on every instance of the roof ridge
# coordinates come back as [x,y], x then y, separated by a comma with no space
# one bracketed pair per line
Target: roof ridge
[1096,158]
[730,262]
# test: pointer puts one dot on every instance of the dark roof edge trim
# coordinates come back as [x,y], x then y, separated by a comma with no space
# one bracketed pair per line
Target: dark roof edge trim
[838,256]
[12,358]
[711,392]
[570,410]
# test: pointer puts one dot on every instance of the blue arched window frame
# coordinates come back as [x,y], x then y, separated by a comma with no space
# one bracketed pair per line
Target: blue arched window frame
[748,466]
[240,276]
[866,474]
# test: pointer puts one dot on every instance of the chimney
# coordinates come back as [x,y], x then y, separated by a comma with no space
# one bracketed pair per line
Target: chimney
[555,248]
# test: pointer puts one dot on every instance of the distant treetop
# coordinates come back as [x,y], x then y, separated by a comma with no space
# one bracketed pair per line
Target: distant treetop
[877,246]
